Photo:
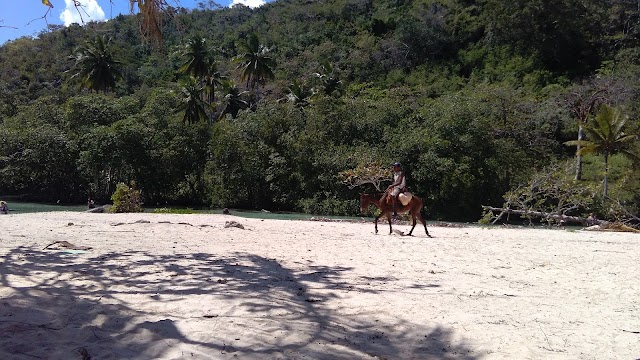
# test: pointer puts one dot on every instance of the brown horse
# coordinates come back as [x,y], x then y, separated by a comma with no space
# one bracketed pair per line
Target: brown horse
[386,208]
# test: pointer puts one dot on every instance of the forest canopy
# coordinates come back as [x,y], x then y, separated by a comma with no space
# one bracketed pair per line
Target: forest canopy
[264,108]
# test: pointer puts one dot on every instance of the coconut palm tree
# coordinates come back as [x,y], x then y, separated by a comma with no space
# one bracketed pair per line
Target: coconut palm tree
[232,99]
[197,58]
[96,67]
[200,64]
[298,94]
[607,137]
[256,63]
[212,80]
[195,109]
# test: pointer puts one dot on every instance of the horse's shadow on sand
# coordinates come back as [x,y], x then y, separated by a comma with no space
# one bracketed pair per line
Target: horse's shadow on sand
[78,303]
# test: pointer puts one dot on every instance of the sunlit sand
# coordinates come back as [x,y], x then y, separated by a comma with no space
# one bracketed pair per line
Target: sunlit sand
[186,287]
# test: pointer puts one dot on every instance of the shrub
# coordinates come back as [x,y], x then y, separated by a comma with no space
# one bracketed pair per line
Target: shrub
[174,211]
[126,199]
[329,206]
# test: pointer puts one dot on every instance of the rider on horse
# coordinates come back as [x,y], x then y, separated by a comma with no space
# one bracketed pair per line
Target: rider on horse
[398,186]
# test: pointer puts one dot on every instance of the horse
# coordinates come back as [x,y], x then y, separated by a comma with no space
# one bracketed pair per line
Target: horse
[386,208]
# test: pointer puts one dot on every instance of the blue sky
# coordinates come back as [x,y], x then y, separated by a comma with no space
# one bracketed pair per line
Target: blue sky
[19,13]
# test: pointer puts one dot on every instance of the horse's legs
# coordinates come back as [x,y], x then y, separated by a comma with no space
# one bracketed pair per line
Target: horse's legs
[423,223]
[414,223]
[376,222]
[389,218]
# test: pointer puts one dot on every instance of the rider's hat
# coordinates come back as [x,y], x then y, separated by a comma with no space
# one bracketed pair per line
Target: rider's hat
[396,164]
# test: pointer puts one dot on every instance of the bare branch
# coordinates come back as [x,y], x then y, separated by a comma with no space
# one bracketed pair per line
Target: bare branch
[6,26]
[364,174]
[43,17]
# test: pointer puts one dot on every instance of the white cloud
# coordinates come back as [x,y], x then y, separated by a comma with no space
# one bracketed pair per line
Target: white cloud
[249,3]
[89,11]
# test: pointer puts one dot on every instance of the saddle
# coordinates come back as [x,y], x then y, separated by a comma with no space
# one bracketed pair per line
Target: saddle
[405,198]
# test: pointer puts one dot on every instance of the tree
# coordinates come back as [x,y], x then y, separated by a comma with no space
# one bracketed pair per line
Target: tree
[200,64]
[298,94]
[197,58]
[256,63]
[232,99]
[607,137]
[374,173]
[328,78]
[212,80]
[550,194]
[97,69]
[195,109]
[563,34]
[584,100]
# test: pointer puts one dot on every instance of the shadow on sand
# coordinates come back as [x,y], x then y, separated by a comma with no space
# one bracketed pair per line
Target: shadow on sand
[66,303]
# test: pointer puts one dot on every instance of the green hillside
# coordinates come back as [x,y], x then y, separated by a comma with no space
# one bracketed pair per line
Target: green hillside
[475,98]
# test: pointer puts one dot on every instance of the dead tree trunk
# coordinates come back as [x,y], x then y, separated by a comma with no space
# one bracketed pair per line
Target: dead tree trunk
[545,215]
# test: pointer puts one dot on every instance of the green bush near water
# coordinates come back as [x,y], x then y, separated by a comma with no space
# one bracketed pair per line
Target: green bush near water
[126,199]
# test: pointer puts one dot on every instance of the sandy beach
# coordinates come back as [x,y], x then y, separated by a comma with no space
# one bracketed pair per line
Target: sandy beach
[186,287]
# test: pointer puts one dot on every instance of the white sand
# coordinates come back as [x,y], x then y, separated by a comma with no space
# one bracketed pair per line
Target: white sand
[310,290]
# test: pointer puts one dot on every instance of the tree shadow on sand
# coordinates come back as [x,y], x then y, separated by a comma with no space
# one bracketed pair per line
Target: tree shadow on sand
[247,306]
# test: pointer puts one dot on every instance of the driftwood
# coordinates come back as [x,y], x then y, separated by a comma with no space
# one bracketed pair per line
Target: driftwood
[235,224]
[99,209]
[616,227]
[57,245]
[545,215]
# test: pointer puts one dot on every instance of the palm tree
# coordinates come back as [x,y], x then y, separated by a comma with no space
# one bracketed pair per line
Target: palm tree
[607,137]
[256,64]
[195,109]
[212,80]
[200,64]
[298,94]
[584,100]
[328,78]
[197,58]
[232,99]
[97,69]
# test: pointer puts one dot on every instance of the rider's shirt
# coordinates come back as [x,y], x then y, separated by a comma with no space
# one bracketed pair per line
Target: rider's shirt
[403,183]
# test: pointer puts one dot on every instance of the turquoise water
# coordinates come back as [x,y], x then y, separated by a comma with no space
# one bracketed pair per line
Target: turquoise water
[277,215]
[25,207]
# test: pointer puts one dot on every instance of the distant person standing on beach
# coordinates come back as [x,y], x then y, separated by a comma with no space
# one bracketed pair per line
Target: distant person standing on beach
[4,208]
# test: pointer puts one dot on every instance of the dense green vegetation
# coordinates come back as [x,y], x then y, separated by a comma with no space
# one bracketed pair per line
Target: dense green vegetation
[264,108]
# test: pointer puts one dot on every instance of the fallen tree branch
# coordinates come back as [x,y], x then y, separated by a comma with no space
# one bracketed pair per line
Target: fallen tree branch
[66,245]
[546,215]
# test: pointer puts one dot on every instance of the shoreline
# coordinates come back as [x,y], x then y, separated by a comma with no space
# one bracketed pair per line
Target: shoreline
[288,216]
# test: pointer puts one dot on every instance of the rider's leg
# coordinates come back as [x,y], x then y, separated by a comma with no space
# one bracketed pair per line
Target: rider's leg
[394,197]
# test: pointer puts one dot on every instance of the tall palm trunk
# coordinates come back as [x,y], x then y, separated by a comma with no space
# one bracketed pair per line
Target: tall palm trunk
[606,174]
[255,87]
[212,98]
[579,157]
